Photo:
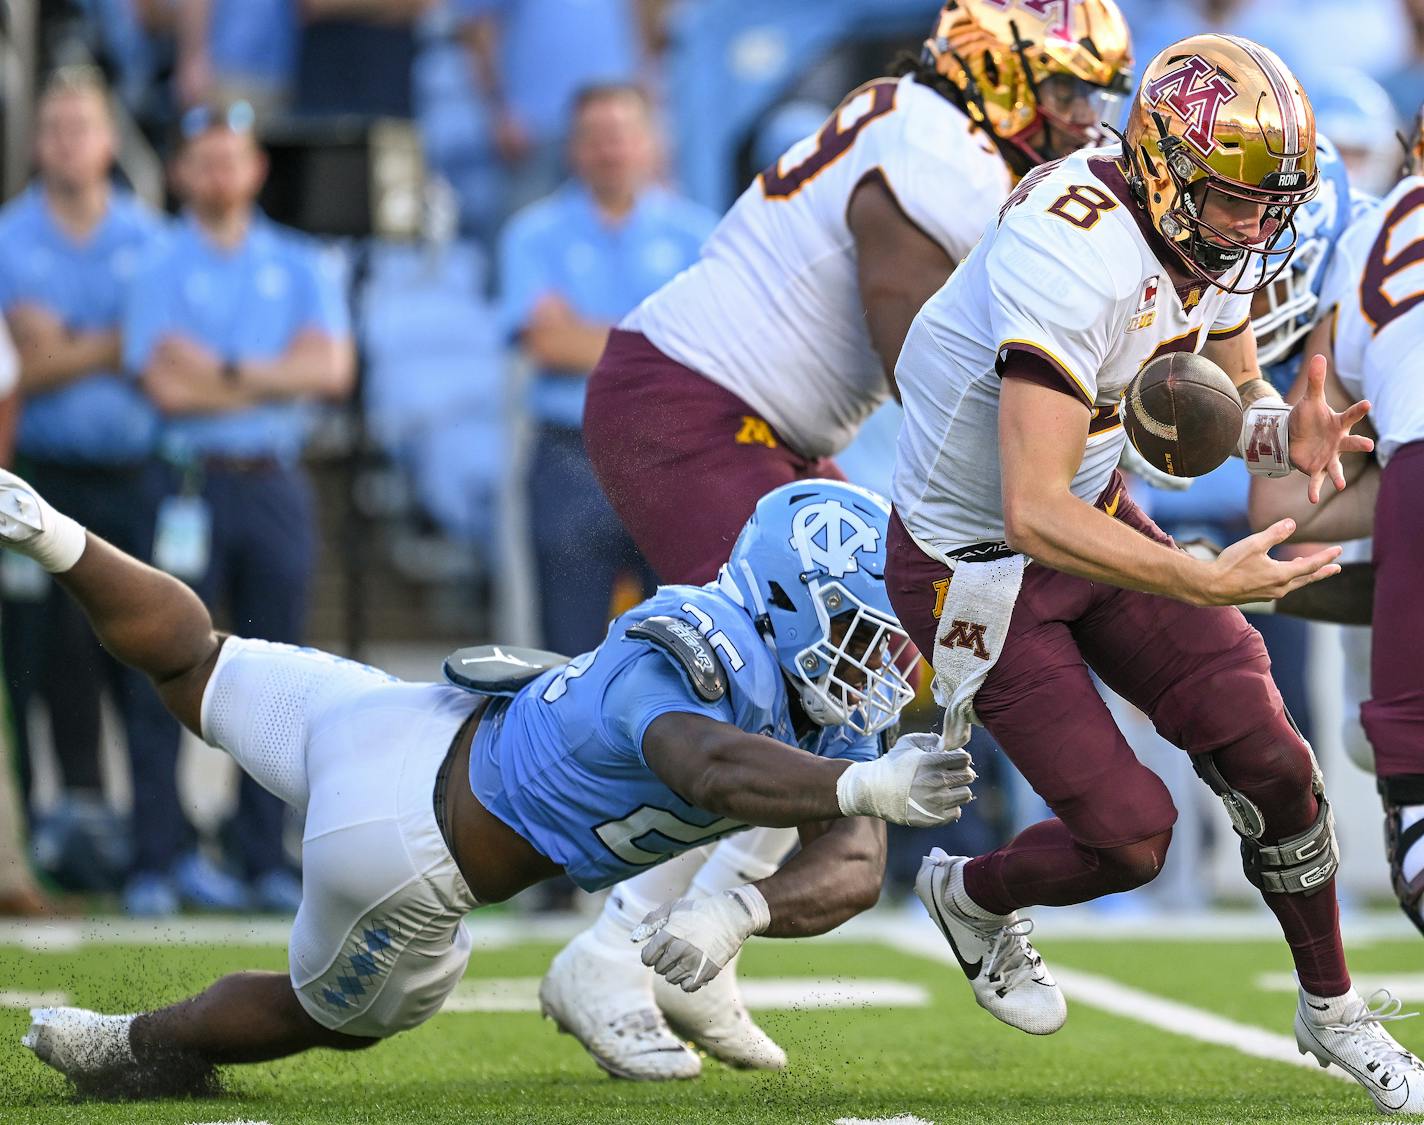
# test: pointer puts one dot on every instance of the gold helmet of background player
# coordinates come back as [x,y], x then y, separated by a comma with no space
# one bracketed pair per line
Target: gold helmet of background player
[1039,75]
[1220,114]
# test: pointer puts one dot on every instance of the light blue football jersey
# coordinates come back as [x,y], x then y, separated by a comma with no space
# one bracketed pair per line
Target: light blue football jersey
[562,762]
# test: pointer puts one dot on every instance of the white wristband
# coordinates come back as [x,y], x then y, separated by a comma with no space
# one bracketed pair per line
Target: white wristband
[1265,438]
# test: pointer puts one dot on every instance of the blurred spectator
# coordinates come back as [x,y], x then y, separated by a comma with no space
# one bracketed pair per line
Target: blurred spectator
[1353,110]
[235,325]
[531,57]
[236,49]
[1405,83]
[355,57]
[136,39]
[571,266]
[68,249]
[1309,35]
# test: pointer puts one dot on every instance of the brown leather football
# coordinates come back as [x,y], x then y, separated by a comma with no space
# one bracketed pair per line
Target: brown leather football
[1183,414]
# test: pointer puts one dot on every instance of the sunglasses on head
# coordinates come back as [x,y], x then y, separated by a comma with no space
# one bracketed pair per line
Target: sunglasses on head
[238,117]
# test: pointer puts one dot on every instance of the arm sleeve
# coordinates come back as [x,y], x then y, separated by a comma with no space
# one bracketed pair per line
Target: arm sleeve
[523,275]
[644,689]
[1054,300]
[1234,318]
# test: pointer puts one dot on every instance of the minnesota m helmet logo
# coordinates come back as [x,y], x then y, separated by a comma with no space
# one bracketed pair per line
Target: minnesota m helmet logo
[1054,13]
[1195,92]
[827,536]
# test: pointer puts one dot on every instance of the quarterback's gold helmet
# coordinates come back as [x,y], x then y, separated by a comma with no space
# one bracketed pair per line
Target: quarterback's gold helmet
[1039,75]
[1220,120]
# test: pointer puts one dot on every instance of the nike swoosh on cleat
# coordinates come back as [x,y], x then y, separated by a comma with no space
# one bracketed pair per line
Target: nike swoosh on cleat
[970,970]
[1366,1079]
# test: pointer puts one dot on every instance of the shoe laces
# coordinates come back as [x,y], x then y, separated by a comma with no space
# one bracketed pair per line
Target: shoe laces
[1010,958]
[1366,1026]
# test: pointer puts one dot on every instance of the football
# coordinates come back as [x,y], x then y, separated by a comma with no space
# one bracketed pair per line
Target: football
[1182,413]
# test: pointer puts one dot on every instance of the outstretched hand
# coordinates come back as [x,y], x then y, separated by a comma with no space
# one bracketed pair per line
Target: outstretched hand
[1245,571]
[1318,435]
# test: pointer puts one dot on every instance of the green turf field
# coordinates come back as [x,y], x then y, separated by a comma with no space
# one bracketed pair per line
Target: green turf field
[944,1062]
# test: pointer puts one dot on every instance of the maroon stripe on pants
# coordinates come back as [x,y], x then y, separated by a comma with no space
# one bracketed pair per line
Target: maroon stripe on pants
[683,460]
[1394,715]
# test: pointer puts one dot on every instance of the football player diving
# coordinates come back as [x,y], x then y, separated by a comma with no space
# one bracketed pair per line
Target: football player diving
[760,698]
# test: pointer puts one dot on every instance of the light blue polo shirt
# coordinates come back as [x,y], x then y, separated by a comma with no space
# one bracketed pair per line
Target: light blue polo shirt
[562,245]
[102,418]
[244,304]
[550,49]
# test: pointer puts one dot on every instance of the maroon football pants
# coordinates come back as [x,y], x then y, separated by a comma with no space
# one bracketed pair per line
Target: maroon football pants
[1394,715]
[1201,675]
[682,460]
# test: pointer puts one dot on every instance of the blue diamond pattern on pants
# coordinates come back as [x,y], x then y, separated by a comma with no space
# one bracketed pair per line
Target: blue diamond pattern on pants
[334,998]
[363,965]
[376,940]
[351,986]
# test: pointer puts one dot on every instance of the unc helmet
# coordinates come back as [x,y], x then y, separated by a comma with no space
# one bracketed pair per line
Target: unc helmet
[1021,66]
[809,566]
[1355,112]
[1283,312]
[1216,114]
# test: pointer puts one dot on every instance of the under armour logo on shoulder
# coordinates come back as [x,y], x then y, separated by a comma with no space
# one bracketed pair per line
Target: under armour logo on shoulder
[968,635]
[829,535]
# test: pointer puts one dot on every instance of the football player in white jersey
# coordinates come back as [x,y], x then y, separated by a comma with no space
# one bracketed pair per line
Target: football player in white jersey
[1019,561]
[1373,305]
[759,363]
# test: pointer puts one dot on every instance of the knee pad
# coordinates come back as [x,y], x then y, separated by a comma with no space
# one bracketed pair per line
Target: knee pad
[1300,864]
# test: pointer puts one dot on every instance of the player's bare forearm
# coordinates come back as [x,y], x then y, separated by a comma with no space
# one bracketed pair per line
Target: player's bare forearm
[836,875]
[1340,515]
[149,621]
[747,777]
[898,268]
[1347,599]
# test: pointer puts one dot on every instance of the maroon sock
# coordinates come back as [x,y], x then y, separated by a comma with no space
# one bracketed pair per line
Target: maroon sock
[1044,866]
[1312,930]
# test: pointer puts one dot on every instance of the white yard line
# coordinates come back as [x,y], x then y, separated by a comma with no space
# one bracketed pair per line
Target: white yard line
[1144,1007]
[1409,987]
[17,998]
[504,930]
[521,994]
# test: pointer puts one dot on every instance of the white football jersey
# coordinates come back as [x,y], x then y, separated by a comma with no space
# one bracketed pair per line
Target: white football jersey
[1375,287]
[1069,274]
[772,310]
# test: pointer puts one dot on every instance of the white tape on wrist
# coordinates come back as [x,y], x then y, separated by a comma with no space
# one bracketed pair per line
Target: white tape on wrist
[1265,438]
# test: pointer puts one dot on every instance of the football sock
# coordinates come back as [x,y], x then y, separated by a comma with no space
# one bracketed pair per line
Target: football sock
[632,900]
[1329,1009]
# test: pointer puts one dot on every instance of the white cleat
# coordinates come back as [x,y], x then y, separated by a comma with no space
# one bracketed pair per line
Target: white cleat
[715,1018]
[605,1001]
[1358,1044]
[84,1046]
[1007,975]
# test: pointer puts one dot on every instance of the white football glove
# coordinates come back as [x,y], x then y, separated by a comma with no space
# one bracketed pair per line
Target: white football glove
[917,783]
[1131,461]
[691,939]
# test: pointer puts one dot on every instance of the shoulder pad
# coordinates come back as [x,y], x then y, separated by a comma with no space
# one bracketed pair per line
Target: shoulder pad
[498,669]
[689,649]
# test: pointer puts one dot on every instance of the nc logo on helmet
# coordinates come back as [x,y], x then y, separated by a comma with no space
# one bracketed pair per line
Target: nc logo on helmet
[828,536]
[1195,92]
